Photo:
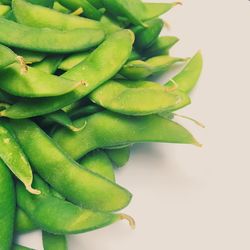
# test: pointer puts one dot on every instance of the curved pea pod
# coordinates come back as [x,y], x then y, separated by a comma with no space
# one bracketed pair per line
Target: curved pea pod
[94,192]
[107,129]
[30,56]
[48,40]
[52,241]
[50,64]
[88,10]
[135,98]
[99,163]
[61,118]
[23,224]
[12,155]
[47,211]
[130,9]
[154,10]
[189,76]
[146,36]
[45,3]
[18,247]
[119,156]
[110,25]
[4,9]
[34,83]
[137,70]
[93,70]
[41,17]
[7,207]
[72,60]
[160,46]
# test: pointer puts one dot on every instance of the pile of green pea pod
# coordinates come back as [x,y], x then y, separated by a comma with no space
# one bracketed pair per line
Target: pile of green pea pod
[75,94]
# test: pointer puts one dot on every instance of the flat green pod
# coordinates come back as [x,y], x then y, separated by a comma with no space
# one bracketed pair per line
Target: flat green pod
[23,224]
[136,98]
[189,76]
[7,207]
[99,163]
[42,17]
[19,247]
[107,129]
[34,83]
[7,56]
[48,40]
[119,156]
[4,9]
[84,188]
[58,7]
[30,56]
[58,216]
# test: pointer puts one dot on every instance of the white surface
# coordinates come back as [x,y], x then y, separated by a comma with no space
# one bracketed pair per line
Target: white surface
[186,198]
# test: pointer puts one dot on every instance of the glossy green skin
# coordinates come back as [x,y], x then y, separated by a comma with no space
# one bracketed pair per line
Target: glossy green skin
[18,247]
[7,56]
[23,224]
[89,10]
[13,156]
[94,71]
[34,83]
[110,25]
[134,98]
[57,216]
[72,60]
[160,46]
[154,10]
[52,241]
[96,3]
[139,70]
[99,163]
[58,7]
[7,207]
[189,76]
[30,56]
[48,40]
[107,129]
[145,37]
[83,187]
[4,9]
[41,17]
[130,9]
[45,3]
[50,64]
[119,156]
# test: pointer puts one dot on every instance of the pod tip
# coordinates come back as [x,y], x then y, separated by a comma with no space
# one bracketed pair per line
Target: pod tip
[197,144]
[32,190]
[178,3]
[24,67]
[130,220]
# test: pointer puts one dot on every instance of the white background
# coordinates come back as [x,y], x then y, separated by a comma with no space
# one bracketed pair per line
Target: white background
[187,198]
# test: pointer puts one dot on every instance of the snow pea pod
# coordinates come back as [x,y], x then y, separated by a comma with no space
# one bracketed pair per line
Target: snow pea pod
[45,3]
[34,83]
[161,45]
[49,64]
[52,241]
[48,40]
[107,129]
[47,212]
[4,9]
[135,98]
[18,247]
[189,76]
[89,10]
[7,207]
[94,70]
[154,10]
[138,69]
[23,224]
[12,155]
[131,9]
[79,112]
[146,36]
[94,192]
[41,17]
[119,156]
[99,163]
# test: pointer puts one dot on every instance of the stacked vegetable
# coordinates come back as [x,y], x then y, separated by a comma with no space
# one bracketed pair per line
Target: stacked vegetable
[75,95]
